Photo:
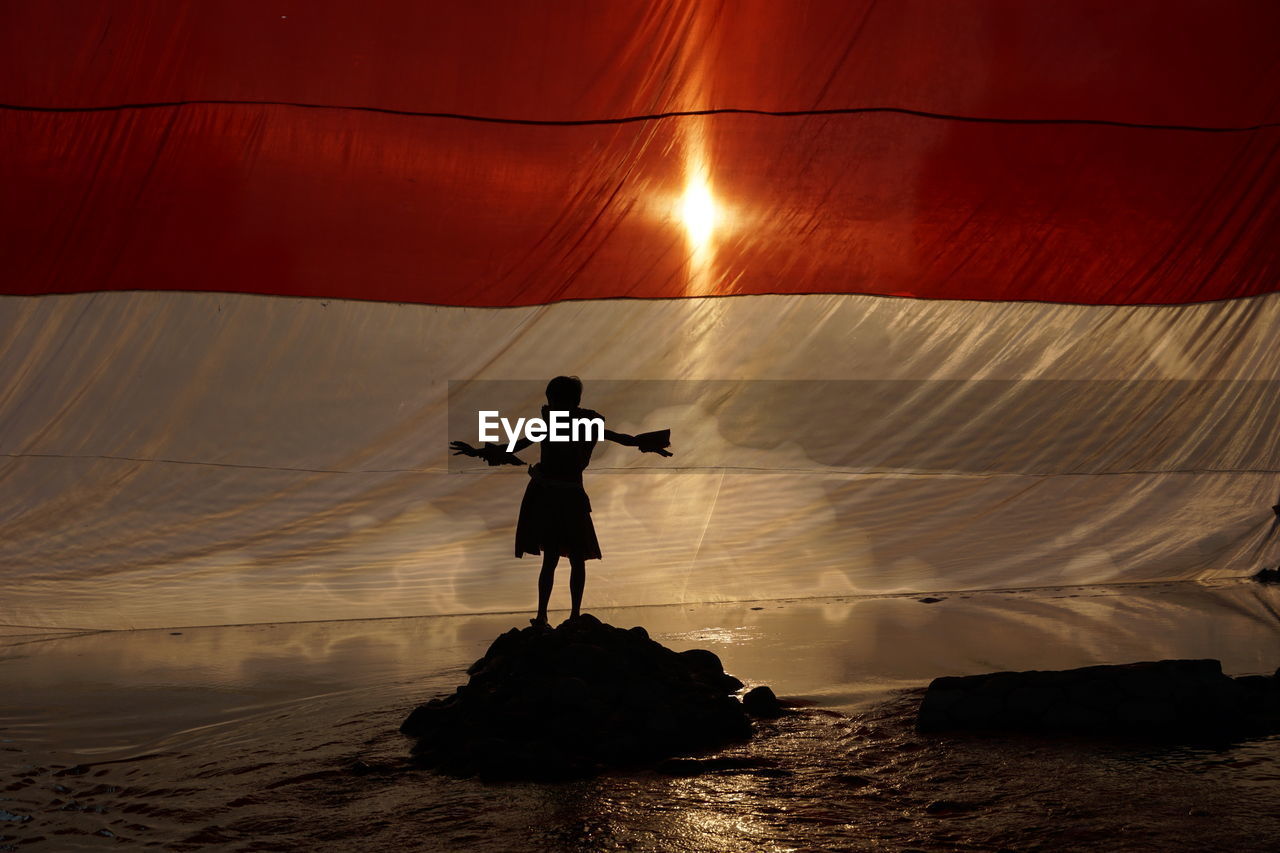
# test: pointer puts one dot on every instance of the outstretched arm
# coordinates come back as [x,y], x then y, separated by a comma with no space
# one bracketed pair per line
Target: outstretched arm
[648,442]
[494,454]
[620,438]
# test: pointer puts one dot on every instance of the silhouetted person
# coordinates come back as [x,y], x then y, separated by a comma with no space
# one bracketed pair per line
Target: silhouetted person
[555,515]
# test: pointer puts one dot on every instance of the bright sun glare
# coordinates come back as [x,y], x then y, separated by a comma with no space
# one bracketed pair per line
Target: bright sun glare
[698,211]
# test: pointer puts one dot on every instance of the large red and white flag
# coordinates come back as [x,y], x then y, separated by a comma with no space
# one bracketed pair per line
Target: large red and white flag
[932,296]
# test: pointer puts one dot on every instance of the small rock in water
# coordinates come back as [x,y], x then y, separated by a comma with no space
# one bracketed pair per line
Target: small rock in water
[568,702]
[1181,698]
[760,702]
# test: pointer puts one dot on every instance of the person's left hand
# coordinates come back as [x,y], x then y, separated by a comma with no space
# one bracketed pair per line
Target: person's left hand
[655,442]
[461,448]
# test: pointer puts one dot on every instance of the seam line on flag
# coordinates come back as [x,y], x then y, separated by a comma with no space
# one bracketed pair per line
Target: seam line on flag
[873,472]
[629,119]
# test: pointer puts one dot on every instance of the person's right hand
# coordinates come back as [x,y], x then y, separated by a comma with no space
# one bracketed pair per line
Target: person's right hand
[494,454]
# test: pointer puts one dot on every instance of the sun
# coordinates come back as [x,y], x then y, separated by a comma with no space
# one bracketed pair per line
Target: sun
[698,210]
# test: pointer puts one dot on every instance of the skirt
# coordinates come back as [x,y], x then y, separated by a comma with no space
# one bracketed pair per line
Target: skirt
[556,517]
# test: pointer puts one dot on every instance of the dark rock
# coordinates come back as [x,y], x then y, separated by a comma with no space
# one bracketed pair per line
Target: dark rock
[1268,576]
[930,600]
[760,702]
[703,662]
[567,702]
[706,666]
[1181,698]
[977,708]
[1098,693]
[1146,712]
[1032,701]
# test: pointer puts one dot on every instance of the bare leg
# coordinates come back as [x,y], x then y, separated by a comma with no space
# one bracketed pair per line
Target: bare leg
[577,581]
[546,580]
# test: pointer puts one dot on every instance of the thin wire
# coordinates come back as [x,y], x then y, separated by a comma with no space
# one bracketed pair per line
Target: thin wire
[653,469]
[835,111]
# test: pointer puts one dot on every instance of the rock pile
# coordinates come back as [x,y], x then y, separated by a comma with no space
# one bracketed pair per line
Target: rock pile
[1178,698]
[568,702]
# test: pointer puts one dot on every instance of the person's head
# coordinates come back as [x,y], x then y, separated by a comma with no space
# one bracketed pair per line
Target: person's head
[564,392]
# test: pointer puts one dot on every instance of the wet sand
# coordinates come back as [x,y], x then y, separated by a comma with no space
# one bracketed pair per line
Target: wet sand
[244,738]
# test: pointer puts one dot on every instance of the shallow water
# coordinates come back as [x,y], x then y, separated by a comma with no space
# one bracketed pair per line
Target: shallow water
[244,738]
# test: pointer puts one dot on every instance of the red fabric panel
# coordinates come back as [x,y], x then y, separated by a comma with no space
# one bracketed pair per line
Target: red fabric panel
[1161,61]
[354,204]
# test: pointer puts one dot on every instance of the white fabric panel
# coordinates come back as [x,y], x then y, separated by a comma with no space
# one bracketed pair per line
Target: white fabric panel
[185,458]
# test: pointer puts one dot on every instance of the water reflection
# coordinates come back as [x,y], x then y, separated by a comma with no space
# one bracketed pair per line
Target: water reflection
[121,690]
[243,737]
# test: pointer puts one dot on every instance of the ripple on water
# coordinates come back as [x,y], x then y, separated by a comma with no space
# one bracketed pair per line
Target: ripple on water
[814,780]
